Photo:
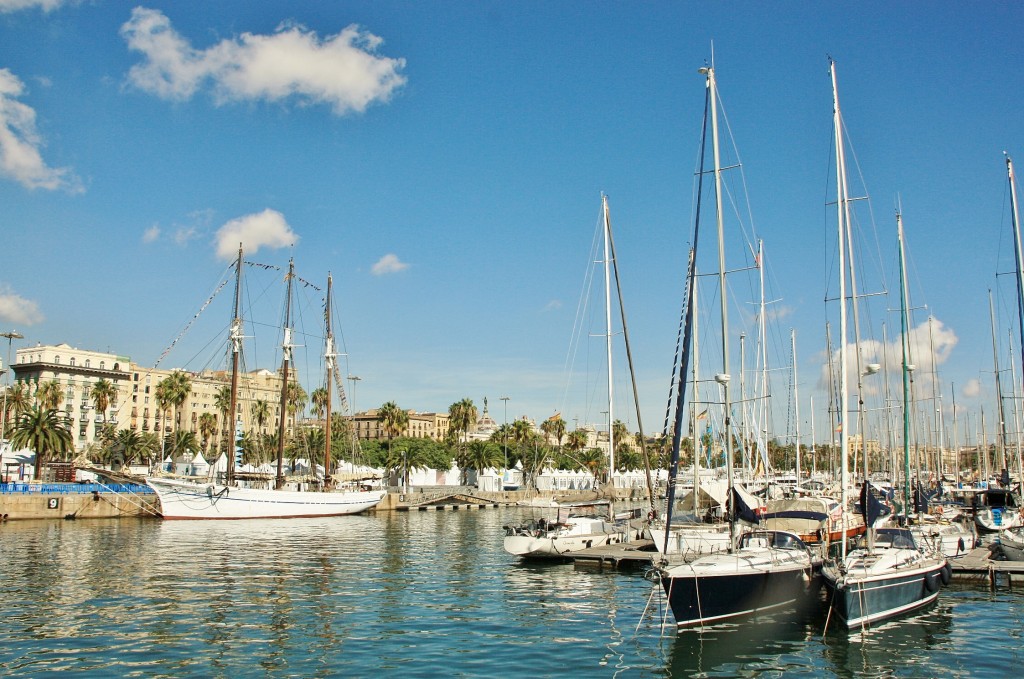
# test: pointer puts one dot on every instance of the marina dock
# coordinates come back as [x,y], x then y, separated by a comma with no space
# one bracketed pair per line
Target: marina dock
[634,554]
[976,566]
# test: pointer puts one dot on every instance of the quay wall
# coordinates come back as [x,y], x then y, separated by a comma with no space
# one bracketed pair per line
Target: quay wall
[78,501]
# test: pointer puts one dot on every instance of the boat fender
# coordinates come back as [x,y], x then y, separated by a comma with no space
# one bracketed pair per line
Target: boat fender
[946,573]
[960,546]
[931,581]
[209,491]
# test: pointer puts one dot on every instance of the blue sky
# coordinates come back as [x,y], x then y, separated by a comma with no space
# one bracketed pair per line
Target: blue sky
[445,161]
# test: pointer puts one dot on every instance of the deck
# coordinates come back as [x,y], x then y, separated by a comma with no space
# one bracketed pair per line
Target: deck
[975,565]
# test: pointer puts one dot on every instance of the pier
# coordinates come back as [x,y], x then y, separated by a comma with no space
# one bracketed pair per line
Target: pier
[633,554]
[976,566]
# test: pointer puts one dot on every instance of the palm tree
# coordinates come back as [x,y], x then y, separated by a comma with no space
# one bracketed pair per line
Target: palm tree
[178,390]
[44,431]
[185,442]
[393,419]
[103,394]
[595,461]
[483,454]
[18,401]
[149,445]
[406,457]
[131,445]
[260,411]
[296,401]
[461,416]
[49,395]
[207,427]
[319,400]
[222,402]
[554,427]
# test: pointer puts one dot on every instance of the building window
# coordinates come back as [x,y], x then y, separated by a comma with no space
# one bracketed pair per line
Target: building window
[86,363]
[103,365]
[56,359]
[71,361]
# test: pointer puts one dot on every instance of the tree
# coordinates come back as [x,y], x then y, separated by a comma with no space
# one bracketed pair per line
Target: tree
[393,419]
[185,442]
[483,454]
[554,427]
[130,444]
[49,395]
[18,401]
[222,402]
[207,427]
[297,399]
[44,431]
[103,393]
[461,416]
[405,457]
[319,400]
[150,445]
[260,411]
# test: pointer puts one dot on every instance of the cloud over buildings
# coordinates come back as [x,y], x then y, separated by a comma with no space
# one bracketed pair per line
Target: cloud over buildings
[16,309]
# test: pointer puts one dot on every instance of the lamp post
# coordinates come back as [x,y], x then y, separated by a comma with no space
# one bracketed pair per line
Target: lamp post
[11,336]
[504,400]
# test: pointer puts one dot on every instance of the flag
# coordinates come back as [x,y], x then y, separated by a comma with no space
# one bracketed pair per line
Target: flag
[839,428]
[702,415]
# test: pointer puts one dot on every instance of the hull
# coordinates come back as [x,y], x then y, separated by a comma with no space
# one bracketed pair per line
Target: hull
[185,500]
[559,546]
[722,587]
[997,519]
[882,591]
[692,541]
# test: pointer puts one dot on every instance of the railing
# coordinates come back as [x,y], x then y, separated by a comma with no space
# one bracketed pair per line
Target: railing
[73,488]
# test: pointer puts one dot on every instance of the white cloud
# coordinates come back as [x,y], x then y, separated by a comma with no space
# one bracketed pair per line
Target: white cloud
[151,234]
[389,263]
[20,158]
[972,388]
[553,305]
[184,234]
[15,5]
[263,229]
[341,70]
[923,339]
[16,309]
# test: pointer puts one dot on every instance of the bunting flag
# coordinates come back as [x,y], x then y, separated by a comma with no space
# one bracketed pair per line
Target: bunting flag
[702,415]
[839,429]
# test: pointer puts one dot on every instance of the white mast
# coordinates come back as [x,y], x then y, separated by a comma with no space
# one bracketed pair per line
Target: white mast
[608,339]
[844,439]
[796,401]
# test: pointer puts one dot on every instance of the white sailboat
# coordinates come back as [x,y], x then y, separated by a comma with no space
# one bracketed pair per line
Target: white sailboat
[888,574]
[586,524]
[182,499]
[761,570]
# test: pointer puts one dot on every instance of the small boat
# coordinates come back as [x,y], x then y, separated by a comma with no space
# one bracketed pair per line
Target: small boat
[952,538]
[894,577]
[576,526]
[1011,544]
[998,509]
[814,518]
[767,570]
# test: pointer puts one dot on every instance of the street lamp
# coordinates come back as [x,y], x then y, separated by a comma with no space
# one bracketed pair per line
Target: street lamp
[504,400]
[11,336]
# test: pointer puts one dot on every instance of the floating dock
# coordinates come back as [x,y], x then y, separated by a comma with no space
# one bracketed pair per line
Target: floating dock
[633,554]
[975,565]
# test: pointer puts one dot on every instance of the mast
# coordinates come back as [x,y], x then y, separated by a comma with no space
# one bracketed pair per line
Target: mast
[1018,253]
[844,436]
[1001,424]
[814,454]
[904,305]
[235,337]
[723,377]
[608,339]
[796,401]
[286,358]
[695,399]
[329,356]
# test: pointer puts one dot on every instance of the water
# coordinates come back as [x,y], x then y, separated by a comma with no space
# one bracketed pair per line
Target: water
[422,594]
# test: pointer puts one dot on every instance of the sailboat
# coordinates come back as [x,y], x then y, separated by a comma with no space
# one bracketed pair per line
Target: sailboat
[579,525]
[761,570]
[181,499]
[887,575]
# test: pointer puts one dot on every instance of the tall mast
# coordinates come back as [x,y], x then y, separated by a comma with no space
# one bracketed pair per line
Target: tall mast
[796,401]
[329,357]
[904,327]
[1001,424]
[235,336]
[608,338]
[844,439]
[286,358]
[1017,251]
[723,378]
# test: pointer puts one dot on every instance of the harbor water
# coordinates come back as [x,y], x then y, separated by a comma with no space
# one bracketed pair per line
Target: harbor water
[419,594]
